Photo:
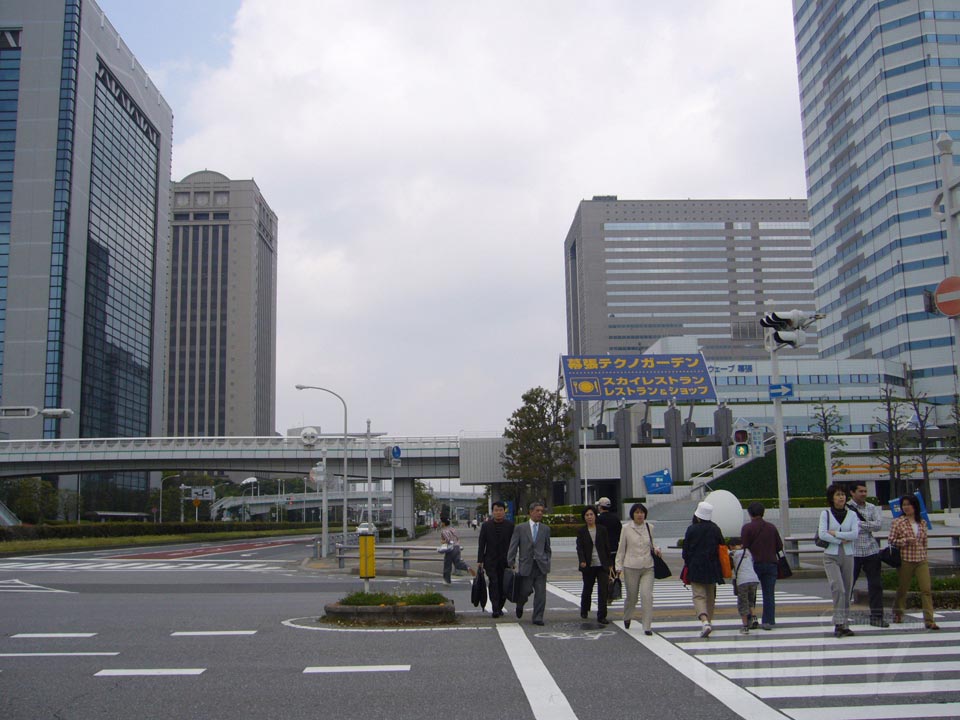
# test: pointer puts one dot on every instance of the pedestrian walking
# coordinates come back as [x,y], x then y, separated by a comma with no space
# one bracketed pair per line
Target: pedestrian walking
[839,528]
[909,533]
[635,562]
[701,544]
[866,550]
[745,584]
[609,519]
[764,543]
[451,558]
[593,554]
[493,543]
[529,554]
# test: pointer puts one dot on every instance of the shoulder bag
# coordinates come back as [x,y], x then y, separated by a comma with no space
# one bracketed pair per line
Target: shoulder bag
[660,568]
[817,540]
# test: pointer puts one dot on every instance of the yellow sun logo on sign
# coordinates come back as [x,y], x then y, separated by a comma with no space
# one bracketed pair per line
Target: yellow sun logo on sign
[586,386]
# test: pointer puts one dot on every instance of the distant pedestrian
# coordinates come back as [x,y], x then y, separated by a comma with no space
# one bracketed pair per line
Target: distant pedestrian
[473,524]
[609,519]
[745,583]
[530,554]
[451,558]
[593,553]
[635,562]
[839,528]
[764,543]
[909,533]
[701,544]
[866,551]
[494,541]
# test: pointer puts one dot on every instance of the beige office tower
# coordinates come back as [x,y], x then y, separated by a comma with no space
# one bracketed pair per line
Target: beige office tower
[221,355]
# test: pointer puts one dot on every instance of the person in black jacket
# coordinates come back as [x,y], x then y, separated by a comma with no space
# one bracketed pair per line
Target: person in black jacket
[593,552]
[700,546]
[611,521]
[494,541]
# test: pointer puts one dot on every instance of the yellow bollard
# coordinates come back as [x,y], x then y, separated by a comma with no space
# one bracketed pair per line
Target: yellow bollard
[368,557]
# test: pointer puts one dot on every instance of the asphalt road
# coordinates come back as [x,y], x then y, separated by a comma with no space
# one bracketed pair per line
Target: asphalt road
[230,631]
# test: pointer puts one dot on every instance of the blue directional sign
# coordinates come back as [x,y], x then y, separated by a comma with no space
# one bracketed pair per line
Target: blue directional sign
[783,390]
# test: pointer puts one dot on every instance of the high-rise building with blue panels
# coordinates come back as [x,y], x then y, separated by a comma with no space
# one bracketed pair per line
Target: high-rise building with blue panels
[879,81]
[84,225]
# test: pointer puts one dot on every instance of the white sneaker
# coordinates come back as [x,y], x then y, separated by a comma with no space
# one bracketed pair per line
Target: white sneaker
[706,630]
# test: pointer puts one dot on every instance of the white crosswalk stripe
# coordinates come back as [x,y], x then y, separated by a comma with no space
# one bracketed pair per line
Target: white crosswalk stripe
[674,594]
[140,565]
[801,671]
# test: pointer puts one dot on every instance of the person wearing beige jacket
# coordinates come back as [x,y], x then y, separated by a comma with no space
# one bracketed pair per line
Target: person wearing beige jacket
[635,562]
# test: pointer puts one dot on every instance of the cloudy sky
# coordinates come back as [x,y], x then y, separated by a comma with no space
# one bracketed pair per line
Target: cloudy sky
[426,159]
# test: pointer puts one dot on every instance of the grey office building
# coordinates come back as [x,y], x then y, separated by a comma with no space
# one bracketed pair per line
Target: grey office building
[641,270]
[879,82]
[84,166]
[221,358]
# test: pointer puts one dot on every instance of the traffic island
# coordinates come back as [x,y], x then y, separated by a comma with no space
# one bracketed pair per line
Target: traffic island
[390,609]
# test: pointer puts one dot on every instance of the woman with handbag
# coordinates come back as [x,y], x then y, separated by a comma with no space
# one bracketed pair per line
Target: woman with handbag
[839,528]
[635,562]
[593,552]
[701,545]
[909,533]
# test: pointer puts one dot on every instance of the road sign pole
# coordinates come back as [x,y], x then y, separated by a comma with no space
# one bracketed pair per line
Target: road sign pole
[783,491]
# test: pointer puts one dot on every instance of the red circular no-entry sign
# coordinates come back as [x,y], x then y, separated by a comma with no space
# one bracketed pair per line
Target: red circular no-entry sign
[947,296]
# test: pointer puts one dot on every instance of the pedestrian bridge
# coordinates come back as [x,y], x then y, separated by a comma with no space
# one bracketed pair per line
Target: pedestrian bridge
[421,457]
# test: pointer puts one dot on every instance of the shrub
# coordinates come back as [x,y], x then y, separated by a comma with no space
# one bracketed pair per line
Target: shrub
[382,598]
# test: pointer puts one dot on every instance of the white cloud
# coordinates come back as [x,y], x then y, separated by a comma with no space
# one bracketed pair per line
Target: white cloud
[426,160]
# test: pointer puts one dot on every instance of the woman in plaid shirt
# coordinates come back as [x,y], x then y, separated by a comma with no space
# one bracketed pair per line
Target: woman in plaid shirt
[909,533]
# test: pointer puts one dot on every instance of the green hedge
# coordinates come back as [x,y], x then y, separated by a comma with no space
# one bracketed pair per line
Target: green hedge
[131,529]
[758,478]
[568,509]
[795,502]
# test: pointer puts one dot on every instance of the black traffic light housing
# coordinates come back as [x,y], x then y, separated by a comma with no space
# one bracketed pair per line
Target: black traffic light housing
[741,443]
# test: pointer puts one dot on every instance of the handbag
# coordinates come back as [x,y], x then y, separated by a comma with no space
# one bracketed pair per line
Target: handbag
[478,592]
[817,540]
[723,554]
[616,590]
[510,585]
[891,556]
[660,568]
[444,547]
[783,566]
[685,575]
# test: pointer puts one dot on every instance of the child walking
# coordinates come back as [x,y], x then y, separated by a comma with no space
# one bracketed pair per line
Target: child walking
[745,582]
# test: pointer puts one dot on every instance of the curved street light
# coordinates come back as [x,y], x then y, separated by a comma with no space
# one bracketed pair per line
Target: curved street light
[162,481]
[345,481]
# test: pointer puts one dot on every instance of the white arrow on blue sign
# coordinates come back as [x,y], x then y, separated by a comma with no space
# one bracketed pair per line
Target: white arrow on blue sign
[395,452]
[780,391]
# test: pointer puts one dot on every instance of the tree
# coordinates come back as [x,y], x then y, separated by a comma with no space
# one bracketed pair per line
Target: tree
[922,412]
[539,448]
[893,422]
[826,426]
[423,498]
[31,499]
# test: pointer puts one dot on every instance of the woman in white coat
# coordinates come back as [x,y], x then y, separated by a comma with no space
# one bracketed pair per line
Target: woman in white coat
[839,528]
[635,561]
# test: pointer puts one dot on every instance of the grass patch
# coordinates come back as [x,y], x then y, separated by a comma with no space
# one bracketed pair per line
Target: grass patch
[381,598]
[17,547]
[891,581]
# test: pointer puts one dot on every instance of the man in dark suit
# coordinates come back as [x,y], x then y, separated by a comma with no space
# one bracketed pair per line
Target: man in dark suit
[494,540]
[609,519]
[531,542]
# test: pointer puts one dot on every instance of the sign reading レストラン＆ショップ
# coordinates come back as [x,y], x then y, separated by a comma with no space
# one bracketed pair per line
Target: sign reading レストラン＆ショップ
[637,377]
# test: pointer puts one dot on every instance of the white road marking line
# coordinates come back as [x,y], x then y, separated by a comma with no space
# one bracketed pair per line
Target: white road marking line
[145,672]
[209,633]
[726,691]
[884,687]
[770,641]
[826,626]
[546,699]
[877,712]
[773,654]
[54,635]
[773,670]
[330,669]
[57,654]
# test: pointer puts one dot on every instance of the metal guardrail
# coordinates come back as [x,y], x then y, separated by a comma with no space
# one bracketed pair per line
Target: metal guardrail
[417,553]
[793,550]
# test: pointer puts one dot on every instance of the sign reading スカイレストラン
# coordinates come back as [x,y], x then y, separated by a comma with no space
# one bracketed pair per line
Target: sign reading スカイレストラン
[637,377]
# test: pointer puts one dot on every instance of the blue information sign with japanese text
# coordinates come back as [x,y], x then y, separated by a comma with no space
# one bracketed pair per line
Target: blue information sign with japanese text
[637,377]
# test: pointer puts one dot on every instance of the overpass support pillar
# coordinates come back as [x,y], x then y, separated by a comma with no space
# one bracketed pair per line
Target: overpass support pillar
[403,513]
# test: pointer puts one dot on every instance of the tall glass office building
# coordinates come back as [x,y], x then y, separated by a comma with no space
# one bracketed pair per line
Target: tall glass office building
[879,81]
[84,182]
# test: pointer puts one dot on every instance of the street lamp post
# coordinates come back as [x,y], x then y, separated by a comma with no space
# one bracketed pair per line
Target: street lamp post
[345,481]
[162,481]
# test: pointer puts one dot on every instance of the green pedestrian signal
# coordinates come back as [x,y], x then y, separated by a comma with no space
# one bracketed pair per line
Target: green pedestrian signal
[741,447]
[741,450]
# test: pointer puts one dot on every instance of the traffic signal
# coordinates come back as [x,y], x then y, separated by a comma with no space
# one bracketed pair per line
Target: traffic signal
[787,327]
[741,446]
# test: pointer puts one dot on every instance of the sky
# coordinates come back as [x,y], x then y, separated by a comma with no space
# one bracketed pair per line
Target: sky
[426,159]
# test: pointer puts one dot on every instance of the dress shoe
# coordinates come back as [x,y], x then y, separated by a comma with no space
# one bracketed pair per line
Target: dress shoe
[519,610]
[931,625]
[842,631]
[879,622]
[496,614]
[538,622]
[626,624]
[603,621]
[648,632]
[766,626]
[583,614]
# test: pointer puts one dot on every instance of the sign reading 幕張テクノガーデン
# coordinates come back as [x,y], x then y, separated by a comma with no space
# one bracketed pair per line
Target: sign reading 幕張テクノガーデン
[637,377]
